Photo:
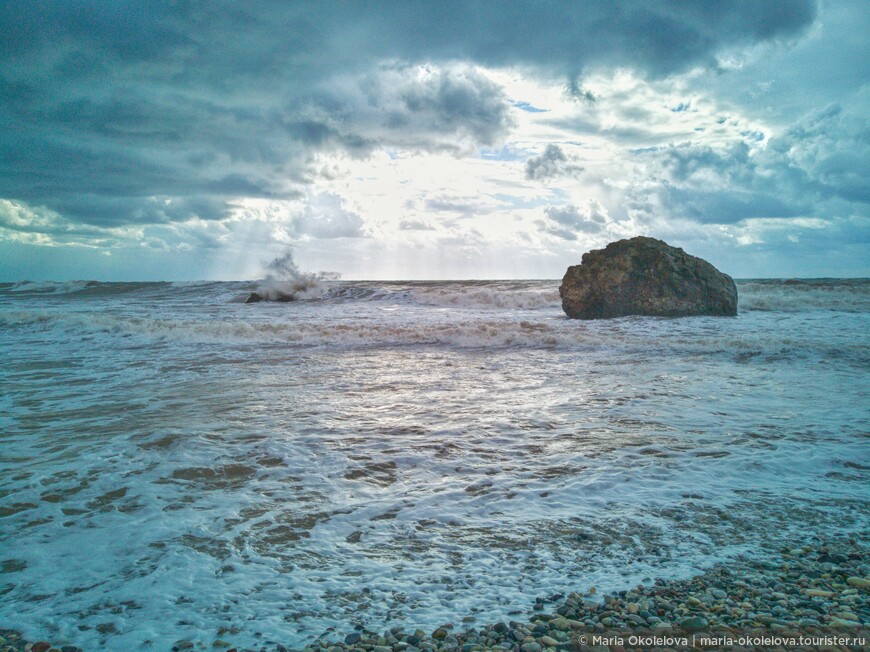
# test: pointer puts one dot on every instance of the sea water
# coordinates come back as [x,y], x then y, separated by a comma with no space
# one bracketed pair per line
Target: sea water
[175,463]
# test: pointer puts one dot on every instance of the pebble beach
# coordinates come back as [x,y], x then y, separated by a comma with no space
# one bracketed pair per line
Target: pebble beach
[813,597]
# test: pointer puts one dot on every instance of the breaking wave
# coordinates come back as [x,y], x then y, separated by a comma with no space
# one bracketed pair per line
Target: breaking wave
[286,282]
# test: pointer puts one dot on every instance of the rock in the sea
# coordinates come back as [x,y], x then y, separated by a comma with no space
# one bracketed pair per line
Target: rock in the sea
[645,276]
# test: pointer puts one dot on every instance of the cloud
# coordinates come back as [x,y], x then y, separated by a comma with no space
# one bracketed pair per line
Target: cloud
[326,217]
[728,206]
[815,167]
[704,164]
[416,107]
[566,222]
[103,211]
[22,219]
[552,163]
[462,206]
[831,149]
[415,225]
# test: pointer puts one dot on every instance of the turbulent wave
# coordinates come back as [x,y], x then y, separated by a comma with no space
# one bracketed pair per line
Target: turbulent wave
[511,296]
[55,288]
[51,287]
[848,295]
[744,342]
[463,333]
[495,295]
[75,288]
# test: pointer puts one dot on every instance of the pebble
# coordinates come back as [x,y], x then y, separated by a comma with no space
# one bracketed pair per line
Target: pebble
[818,593]
[560,623]
[694,623]
[859,582]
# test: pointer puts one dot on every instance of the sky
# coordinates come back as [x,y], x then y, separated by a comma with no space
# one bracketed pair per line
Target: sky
[430,140]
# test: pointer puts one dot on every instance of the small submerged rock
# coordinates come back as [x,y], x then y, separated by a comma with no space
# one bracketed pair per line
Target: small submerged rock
[281,297]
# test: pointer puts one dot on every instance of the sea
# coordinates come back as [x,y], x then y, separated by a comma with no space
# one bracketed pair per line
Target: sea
[176,463]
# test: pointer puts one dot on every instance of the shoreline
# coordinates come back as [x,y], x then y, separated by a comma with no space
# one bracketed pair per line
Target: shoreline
[820,592]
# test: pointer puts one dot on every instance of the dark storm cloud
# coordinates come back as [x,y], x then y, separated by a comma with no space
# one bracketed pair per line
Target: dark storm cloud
[225,40]
[106,106]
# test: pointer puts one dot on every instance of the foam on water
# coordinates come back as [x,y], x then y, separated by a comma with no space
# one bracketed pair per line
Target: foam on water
[172,463]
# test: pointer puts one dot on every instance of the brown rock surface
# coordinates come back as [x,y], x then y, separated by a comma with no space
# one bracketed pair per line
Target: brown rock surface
[645,276]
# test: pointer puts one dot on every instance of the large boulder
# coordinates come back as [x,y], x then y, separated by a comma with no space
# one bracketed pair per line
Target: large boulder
[645,276]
